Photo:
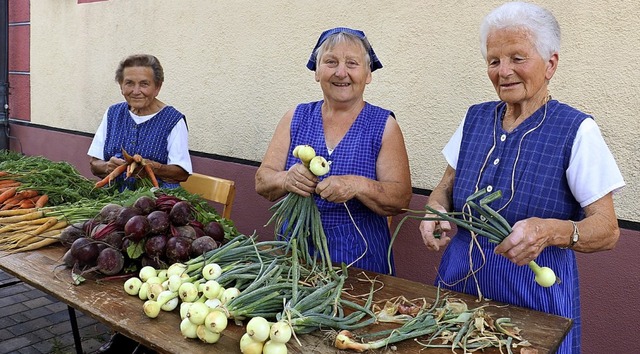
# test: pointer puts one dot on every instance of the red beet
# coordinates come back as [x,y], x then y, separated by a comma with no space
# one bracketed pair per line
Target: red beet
[110,261]
[178,249]
[85,251]
[155,245]
[145,204]
[124,215]
[202,245]
[180,213]
[215,230]
[158,222]
[136,228]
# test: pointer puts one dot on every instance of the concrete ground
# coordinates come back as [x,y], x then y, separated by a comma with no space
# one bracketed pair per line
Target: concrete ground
[34,322]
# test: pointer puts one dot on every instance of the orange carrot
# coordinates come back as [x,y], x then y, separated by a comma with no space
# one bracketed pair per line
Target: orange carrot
[6,182]
[3,173]
[111,176]
[42,201]
[7,194]
[152,176]
[27,193]
[26,204]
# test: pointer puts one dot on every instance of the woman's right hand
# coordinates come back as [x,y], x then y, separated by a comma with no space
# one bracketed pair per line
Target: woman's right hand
[434,233]
[113,163]
[300,180]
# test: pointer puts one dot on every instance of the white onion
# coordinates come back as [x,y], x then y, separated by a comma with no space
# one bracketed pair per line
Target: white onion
[206,335]
[280,332]
[184,307]
[188,292]
[250,346]
[143,293]
[132,286]
[188,329]
[229,294]
[176,268]
[174,282]
[151,308]
[211,271]
[211,289]
[147,272]
[197,312]
[258,328]
[272,347]
[171,304]
[216,321]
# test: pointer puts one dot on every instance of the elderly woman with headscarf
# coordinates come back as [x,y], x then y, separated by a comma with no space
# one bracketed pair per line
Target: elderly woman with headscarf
[369,177]
[551,163]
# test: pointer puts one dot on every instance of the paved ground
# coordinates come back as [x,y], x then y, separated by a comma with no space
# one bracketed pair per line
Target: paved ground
[34,322]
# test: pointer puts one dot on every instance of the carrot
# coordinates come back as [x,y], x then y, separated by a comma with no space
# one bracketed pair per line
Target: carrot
[152,176]
[111,176]
[51,222]
[23,217]
[5,213]
[27,193]
[36,245]
[7,194]
[26,204]
[5,186]
[8,181]
[132,166]
[3,173]
[42,201]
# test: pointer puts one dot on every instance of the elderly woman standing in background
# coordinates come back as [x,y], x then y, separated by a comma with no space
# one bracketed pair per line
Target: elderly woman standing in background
[142,125]
[551,163]
[369,177]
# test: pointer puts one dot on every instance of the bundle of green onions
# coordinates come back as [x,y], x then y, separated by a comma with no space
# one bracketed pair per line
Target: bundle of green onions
[297,218]
[490,224]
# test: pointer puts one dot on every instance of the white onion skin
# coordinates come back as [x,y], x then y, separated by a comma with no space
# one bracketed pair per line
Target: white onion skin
[206,335]
[132,286]
[258,328]
[250,346]
[280,332]
[271,347]
[188,329]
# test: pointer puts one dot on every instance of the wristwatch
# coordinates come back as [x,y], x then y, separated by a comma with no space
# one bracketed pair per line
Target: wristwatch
[576,235]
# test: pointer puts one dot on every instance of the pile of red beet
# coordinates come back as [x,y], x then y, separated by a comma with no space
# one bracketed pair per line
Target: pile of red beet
[153,231]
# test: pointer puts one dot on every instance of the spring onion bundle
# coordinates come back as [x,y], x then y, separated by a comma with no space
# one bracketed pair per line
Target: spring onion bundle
[297,218]
[490,224]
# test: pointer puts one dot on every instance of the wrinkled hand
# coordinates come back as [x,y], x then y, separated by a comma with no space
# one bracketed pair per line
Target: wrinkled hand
[300,180]
[337,189]
[113,163]
[429,229]
[525,242]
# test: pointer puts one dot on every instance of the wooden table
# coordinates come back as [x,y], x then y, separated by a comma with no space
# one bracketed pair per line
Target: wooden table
[107,302]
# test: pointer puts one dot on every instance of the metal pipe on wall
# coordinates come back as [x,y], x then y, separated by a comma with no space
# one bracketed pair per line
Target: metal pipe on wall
[4,74]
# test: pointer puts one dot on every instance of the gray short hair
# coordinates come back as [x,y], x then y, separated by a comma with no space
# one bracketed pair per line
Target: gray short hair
[539,22]
[145,60]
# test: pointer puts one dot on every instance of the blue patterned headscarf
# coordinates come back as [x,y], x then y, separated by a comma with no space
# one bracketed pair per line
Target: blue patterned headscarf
[375,63]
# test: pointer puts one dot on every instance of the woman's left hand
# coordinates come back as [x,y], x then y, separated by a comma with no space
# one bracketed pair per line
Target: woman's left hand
[337,189]
[526,241]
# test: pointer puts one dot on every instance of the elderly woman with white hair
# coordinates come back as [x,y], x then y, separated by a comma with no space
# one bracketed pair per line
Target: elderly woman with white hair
[550,161]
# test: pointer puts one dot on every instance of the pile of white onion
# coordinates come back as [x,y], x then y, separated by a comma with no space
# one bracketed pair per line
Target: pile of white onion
[262,337]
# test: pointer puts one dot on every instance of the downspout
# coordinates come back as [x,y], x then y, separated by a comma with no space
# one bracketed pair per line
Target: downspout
[4,75]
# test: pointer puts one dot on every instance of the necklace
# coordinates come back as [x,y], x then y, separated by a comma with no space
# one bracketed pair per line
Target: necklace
[515,163]
[515,122]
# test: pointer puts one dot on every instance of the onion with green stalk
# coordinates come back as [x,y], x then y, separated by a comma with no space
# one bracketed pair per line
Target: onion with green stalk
[490,224]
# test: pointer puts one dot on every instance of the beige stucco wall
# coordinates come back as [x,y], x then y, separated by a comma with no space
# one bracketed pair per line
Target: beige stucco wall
[235,66]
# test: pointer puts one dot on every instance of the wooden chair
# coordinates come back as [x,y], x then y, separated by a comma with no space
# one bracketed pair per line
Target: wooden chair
[215,189]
